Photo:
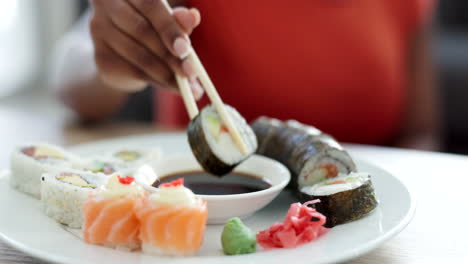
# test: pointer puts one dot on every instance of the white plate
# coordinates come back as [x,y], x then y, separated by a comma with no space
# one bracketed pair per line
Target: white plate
[23,225]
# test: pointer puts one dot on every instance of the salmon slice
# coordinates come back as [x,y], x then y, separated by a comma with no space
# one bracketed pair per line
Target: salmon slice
[112,222]
[172,230]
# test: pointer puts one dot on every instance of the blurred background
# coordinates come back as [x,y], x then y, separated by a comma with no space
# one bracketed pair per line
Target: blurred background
[29,30]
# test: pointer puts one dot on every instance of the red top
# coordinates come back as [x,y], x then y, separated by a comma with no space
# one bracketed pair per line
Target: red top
[336,64]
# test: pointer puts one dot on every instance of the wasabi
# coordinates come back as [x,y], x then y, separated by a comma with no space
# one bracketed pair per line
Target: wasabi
[238,238]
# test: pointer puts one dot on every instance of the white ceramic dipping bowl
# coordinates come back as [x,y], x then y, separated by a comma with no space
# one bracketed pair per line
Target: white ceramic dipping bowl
[223,207]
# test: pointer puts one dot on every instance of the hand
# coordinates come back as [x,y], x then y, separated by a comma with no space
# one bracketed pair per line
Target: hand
[142,41]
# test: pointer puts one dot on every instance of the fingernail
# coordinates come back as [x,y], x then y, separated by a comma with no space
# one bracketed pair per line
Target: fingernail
[181,47]
[197,90]
[196,15]
[188,69]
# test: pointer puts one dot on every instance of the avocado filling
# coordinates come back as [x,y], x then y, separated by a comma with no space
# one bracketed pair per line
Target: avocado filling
[103,167]
[42,153]
[215,125]
[127,155]
[75,179]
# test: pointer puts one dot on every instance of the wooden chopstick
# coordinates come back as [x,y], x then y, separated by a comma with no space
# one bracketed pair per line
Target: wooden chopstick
[212,94]
[187,95]
[216,100]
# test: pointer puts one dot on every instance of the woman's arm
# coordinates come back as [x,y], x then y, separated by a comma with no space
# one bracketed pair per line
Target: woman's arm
[75,80]
[421,129]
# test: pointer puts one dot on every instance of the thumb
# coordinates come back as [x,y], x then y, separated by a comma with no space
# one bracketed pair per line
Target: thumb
[188,19]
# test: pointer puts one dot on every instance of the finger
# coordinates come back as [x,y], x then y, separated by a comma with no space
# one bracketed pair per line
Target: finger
[116,72]
[196,88]
[160,16]
[188,68]
[129,21]
[133,52]
[188,19]
[196,14]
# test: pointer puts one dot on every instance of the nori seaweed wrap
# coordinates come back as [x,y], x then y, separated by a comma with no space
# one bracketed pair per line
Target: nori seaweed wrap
[265,128]
[342,199]
[317,162]
[310,155]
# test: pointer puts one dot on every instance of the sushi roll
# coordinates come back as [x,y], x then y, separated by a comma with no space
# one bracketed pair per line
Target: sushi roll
[133,157]
[99,166]
[110,214]
[29,162]
[122,160]
[63,194]
[310,154]
[343,199]
[173,221]
[213,146]
[104,165]
[316,159]
[264,128]
[320,167]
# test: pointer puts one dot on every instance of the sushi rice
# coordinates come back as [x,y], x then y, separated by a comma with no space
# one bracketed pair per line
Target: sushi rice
[316,168]
[221,144]
[341,183]
[133,157]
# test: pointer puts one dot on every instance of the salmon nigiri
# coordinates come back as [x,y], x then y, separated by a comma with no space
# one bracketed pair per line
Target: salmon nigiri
[110,215]
[173,221]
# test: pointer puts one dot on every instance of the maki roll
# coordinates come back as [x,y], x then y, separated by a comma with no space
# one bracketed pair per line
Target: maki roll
[99,165]
[122,160]
[310,154]
[105,165]
[265,129]
[134,157]
[29,162]
[343,199]
[63,194]
[317,158]
[213,146]
[320,167]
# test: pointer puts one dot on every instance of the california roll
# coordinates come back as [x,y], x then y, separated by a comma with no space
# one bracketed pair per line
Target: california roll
[29,162]
[64,192]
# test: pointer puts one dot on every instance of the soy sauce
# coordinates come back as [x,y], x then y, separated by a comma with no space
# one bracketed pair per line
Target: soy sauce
[204,183]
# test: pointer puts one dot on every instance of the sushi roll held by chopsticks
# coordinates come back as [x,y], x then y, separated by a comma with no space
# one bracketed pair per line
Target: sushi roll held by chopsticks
[212,144]
[219,136]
